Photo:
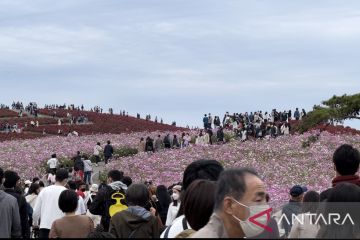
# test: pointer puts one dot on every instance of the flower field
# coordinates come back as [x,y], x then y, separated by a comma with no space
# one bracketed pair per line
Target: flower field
[282,162]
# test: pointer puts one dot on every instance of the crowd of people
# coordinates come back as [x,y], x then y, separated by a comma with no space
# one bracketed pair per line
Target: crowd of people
[255,125]
[209,202]
[167,142]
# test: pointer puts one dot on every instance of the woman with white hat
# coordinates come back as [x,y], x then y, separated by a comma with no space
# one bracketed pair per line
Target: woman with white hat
[174,206]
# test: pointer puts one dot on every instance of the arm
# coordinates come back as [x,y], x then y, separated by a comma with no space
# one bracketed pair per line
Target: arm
[37,210]
[24,219]
[53,232]
[169,217]
[97,205]
[16,223]
[295,231]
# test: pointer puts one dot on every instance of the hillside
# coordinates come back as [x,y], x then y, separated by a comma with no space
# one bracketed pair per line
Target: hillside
[98,123]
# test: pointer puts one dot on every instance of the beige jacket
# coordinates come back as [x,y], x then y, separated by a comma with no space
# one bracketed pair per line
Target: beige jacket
[303,228]
[214,229]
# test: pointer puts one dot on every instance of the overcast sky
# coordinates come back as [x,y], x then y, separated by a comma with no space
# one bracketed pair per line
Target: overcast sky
[179,59]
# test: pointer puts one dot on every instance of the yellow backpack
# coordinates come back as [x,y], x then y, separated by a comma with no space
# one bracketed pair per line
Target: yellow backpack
[118,206]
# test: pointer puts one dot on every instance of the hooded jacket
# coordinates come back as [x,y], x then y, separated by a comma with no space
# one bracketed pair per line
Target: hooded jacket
[135,222]
[102,202]
[10,226]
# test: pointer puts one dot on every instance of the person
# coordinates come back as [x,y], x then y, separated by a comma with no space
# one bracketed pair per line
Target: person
[12,179]
[136,221]
[87,170]
[297,114]
[71,225]
[199,201]
[343,200]
[240,194]
[200,169]
[346,160]
[53,163]
[81,209]
[33,193]
[103,200]
[293,207]
[158,143]
[127,181]
[174,206]
[46,207]
[164,201]
[206,121]
[307,229]
[51,177]
[141,146]
[175,143]
[187,140]
[108,152]
[79,168]
[97,150]
[27,186]
[167,143]
[149,145]
[94,189]
[10,224]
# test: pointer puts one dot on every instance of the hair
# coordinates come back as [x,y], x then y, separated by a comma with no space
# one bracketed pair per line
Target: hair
[61,175]
[137,195]
[68,201]
[199,201]
[1,175]
[163,196]
[33,188]
[53,156]
[342,193]
[310,203]
[41,184]
[200,169]
[108,142]
[116,175]
[127,181]
[346,160]
[98,143]
[11,179]
[232,183]
[35,179]
[72,185]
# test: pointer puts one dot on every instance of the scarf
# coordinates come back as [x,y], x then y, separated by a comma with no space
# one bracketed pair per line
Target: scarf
[355,179]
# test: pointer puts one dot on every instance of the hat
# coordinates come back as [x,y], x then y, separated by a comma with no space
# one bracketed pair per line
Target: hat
[28,182]
[94,188]
[297,190]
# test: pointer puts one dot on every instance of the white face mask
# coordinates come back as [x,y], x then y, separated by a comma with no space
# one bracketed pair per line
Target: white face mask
[250,229]
[175,196]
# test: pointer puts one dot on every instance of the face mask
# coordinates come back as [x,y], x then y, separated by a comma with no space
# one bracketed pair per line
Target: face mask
[175,196]
[249,228]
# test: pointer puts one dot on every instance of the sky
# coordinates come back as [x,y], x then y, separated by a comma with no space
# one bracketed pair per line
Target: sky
[179,59]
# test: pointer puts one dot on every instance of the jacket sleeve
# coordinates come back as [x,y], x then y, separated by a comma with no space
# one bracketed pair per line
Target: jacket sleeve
[16,223]
[156,228]
[24,218]
[97,205]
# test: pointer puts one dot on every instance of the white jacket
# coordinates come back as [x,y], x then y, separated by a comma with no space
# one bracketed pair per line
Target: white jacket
[52,162]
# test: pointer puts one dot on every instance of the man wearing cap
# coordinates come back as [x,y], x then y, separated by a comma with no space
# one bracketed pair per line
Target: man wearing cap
[293,207]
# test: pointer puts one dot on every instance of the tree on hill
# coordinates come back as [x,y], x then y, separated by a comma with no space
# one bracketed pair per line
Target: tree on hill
[336,109]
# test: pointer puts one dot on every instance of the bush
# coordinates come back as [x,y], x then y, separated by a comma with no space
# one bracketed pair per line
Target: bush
[125,152]
[103,176]
[65,163]
[312,139]
[93,158]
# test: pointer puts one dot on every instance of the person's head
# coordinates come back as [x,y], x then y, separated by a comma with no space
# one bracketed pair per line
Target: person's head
[241,194]
[346,160]
[41,184]
[53,156]
[137,195]
[11,179]
[176,194]
[34,189]
[310,201]
[141,139]
[199,200]
[62,176]
[36,180]
[108,142]
[201,169]
[1,176]
[72,185]
[297,193]
[163,196]
[127,181]
[81,186]
[98,144]
[115,176]
[68,201]
[159,136]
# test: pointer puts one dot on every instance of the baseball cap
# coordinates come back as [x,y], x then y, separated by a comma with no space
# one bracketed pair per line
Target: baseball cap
[297,190]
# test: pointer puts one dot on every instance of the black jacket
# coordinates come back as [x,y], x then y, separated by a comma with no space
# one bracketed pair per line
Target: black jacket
[25,229]
[108,150]
[101,204]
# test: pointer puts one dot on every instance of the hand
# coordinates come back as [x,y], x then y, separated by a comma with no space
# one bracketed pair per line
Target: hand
[153,211]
